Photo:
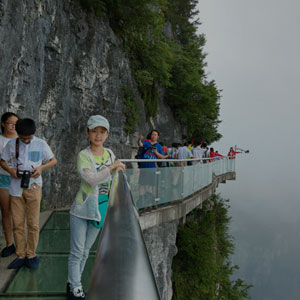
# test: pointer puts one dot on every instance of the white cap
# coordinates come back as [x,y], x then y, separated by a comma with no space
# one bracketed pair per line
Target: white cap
[97,120]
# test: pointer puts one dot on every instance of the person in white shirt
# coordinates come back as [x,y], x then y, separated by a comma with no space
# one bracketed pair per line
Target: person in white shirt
[198,152]
[8,123]
[184,153]
[23,159]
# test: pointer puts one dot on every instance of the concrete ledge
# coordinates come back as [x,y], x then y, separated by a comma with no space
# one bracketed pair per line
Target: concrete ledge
[179,209]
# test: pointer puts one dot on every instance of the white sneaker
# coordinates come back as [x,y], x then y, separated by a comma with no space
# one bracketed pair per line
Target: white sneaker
[78,293]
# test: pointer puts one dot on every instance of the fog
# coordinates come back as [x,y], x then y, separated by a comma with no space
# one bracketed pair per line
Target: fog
[253,50]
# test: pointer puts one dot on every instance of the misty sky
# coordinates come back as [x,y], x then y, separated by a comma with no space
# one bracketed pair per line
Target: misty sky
[253,54]
[253,50]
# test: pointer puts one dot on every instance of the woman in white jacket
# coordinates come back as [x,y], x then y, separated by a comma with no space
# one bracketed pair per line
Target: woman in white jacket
[94,165]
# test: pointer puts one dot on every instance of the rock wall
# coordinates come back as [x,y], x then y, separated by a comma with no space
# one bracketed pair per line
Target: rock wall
[161,245]
[58,65]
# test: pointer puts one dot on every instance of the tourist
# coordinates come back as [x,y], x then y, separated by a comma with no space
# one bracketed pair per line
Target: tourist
[231,154]
[190,147]
[213,155]
[165,150]
[94,166]
[172,152]
[23,159]
[198,152]
[8,124]
[183,153]
[152,149]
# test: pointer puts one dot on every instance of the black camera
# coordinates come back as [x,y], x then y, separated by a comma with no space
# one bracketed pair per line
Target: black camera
[25,175]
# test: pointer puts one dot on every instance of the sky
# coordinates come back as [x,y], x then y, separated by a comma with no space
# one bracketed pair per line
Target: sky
[252,53]
[253,50]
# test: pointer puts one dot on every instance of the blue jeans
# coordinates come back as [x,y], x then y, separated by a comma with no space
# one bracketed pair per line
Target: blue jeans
[83,236]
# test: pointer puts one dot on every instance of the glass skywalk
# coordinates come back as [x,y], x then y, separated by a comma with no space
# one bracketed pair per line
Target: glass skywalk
[149,188]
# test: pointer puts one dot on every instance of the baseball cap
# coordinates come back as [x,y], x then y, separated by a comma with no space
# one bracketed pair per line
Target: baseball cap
[97,120]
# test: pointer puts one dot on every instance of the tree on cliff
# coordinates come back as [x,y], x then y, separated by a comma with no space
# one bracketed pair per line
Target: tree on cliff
[174,61]
[202,269]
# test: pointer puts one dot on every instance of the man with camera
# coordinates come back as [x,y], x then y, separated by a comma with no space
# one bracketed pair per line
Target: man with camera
[26,155]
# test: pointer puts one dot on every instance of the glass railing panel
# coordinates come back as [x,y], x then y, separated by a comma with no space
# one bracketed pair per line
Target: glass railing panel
[188,181]
[231,165]
[228,165]
[208,174]
[169,184]
[218,165]
[224,164]
[132,176]
[155,186]
[143,183]
[202,171]
[198,170]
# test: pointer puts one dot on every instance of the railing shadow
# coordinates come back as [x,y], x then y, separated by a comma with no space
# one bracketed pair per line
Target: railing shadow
[122,270]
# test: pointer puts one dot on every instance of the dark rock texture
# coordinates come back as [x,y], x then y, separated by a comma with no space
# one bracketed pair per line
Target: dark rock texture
[161,246]
[58,65]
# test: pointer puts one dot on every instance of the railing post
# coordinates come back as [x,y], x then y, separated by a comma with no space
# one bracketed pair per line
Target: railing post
[182,181]
[194,170]
[157,173]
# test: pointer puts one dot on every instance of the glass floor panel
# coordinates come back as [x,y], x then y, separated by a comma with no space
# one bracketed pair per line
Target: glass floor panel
[48,281]
[50,276]
[58,220]
[58,241]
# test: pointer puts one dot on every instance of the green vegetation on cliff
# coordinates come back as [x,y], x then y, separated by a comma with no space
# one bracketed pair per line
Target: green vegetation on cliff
[202,269]
[165,51]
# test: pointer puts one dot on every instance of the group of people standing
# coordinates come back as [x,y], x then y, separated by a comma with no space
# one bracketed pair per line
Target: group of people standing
[22,162]
[152,149]
[22,156]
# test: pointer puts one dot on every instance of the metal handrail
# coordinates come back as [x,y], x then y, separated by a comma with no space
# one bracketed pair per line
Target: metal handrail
[122,270]
[167,159]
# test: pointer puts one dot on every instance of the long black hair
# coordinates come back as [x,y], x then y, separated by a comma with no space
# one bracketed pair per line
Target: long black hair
[4,118]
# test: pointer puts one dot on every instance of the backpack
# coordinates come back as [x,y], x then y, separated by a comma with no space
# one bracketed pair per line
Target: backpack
[141,152]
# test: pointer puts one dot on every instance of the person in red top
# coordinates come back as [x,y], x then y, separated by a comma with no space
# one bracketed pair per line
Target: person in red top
[231,154]
[213,154]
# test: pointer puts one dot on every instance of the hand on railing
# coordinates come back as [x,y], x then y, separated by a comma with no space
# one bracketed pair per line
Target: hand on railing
[117,165]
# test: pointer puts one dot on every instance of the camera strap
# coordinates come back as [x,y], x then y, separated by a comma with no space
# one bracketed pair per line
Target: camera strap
[17,149]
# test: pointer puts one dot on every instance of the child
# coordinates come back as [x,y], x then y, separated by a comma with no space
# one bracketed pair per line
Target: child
[25,154]
[8,123]
[94,165]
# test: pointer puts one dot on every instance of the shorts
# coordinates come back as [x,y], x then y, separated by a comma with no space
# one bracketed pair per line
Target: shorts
[4,181]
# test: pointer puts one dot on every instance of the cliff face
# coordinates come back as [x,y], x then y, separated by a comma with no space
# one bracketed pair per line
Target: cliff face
[59,65]
[161,245]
